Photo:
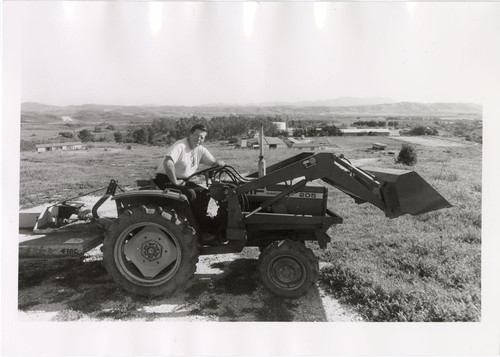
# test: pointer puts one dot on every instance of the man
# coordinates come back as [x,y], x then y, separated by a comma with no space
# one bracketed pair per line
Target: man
[181,161]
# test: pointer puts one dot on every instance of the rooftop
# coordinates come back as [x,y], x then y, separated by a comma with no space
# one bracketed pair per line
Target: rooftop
[58,144]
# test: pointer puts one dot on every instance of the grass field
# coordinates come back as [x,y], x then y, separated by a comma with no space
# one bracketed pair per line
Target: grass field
[412,268]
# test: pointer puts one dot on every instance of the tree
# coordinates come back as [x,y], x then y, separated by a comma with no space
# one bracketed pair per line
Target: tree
[284,133]
[118,136]
[163,125]
[85,135]
[332,130]
[298,132]
[407,155]
[140,136]
[66,134]
[27,145]
[423,130]
[150,132]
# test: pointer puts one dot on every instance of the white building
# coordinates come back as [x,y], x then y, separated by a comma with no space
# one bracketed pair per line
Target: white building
[60,146]
[280,125]
[365,131]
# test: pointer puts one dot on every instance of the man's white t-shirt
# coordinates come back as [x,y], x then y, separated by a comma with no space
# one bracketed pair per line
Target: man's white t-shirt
[186,160]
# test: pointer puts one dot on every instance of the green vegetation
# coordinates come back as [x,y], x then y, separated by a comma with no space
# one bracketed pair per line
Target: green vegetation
[422,130]
[66,134]
[413,268]
[27,145]
[85,135]
[371,123]
[165,131]
[407,155]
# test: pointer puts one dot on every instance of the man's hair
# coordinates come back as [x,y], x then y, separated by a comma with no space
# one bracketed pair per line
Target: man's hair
[198,127]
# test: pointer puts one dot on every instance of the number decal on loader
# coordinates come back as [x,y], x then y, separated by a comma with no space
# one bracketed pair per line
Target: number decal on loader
[68,251]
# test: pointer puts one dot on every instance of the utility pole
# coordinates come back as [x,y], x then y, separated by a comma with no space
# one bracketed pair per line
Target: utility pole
[262,161]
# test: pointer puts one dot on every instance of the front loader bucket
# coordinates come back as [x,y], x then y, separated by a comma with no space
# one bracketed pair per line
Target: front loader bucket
[406,192]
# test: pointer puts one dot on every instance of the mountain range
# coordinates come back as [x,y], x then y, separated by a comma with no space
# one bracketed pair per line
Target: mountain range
[32,112]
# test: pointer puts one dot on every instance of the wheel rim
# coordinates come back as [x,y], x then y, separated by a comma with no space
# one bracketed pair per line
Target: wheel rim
[287,272]
[147,254]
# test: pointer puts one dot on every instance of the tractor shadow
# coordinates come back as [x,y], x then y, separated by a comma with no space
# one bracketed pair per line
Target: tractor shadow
[224,290]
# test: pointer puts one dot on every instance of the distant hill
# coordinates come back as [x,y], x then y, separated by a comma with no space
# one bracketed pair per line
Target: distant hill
[33,106]
[337,102]
[93,113]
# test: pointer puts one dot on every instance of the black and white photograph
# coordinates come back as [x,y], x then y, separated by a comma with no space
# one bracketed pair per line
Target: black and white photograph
[250,178]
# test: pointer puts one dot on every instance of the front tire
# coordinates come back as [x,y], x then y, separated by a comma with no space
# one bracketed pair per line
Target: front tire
[288,269]
[150,251]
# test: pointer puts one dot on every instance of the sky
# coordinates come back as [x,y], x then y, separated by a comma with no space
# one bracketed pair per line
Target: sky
[178,53]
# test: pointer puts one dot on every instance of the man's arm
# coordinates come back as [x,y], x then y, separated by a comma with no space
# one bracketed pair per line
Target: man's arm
[218,163]
[208,159]
[169,167]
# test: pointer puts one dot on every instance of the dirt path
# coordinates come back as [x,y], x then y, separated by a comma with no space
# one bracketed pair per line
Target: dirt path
[428,141]
[224,288]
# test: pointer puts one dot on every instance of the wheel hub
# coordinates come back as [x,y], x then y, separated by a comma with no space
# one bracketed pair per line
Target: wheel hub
[150,250]
[286,272]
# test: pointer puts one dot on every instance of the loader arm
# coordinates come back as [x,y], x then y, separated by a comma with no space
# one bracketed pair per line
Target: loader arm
[330,168]
[395,192]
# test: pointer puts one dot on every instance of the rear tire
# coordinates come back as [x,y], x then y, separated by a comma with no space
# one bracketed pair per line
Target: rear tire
[150,251]
[288,269]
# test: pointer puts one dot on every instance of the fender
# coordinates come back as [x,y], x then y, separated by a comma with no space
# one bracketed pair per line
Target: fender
[130,199]
[168,198]
[127,200]
[167,194]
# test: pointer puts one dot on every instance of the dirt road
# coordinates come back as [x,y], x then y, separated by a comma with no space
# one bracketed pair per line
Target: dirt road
[429,141]
[224,288]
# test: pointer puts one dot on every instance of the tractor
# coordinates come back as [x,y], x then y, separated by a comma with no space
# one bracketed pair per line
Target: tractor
[153,245]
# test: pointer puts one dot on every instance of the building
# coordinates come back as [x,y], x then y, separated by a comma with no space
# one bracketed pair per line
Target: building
[366,131]
[269,143]
[280,125]
[242,143]
[60,146]
[272,143]
[302,143]
[320,143]
[378,146]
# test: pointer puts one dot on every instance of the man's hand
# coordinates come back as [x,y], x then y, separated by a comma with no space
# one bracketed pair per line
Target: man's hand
[179,182]
[219,163]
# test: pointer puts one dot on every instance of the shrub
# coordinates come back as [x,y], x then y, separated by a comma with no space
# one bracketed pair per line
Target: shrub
[66,134]
[140,136]
[27,145]
[85,135]
[118,136]
[423,130]
[407,155]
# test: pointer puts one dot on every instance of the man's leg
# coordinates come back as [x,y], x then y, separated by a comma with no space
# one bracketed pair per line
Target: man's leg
[163,182]
[200,206]
[198,198]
